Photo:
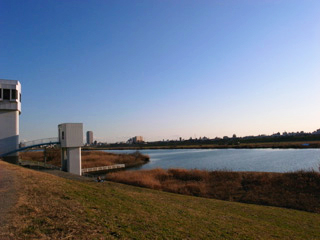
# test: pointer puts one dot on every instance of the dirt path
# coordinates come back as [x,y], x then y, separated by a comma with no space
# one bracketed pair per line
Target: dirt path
[8,193]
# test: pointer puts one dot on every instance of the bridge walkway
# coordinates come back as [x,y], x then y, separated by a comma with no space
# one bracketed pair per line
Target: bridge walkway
[32,144]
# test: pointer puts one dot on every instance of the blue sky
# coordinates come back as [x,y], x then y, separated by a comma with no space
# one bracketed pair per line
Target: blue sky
[163,69]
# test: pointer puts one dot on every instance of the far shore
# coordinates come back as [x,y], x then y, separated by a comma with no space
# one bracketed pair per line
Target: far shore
[281,145]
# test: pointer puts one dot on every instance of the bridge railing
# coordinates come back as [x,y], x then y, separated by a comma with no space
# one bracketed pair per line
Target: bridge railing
[39,142]
[96,169]
[38,164]
[25,145]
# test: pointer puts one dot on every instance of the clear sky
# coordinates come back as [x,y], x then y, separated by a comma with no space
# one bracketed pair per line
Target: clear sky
[163,69]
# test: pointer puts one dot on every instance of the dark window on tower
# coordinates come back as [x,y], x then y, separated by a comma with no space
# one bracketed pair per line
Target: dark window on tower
[14,94]
[0,92]
[20,97]
[6,94]
[62,135]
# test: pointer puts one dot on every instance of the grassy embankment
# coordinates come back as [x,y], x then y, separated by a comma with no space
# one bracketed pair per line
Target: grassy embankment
[57,208]
[297,190]
[89,158]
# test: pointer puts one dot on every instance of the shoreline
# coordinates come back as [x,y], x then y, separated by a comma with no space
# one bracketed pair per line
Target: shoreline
[309,145]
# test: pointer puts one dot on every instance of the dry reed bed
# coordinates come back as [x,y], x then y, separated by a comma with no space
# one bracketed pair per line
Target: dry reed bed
[298,190]
[96,159]
[89,158]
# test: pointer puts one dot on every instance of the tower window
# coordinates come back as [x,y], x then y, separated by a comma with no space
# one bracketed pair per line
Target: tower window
[6,94]
[0,92]
[62,135]
[14,94]
[20,97]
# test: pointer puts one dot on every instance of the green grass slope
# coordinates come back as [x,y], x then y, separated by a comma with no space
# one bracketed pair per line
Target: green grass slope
[54,207]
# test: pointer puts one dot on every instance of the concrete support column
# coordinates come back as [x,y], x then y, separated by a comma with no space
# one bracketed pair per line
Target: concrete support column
[64,160]
[74,160]
[9,134]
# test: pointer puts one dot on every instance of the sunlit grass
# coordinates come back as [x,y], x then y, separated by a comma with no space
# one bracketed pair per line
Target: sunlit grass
[50,207]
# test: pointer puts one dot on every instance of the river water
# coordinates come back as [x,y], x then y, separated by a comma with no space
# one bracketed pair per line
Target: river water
[262,160]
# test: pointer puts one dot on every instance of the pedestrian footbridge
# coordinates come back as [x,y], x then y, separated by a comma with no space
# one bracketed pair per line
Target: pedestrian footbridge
[31,144]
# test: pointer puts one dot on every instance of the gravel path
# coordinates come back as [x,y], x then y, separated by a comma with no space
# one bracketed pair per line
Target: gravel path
[8,194]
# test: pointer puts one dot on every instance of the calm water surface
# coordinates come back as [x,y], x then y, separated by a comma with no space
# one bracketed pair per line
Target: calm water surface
[264,160]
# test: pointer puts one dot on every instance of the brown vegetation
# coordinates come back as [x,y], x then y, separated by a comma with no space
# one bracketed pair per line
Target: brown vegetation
[297,190]
[32,156]
[97,158]
[89,158]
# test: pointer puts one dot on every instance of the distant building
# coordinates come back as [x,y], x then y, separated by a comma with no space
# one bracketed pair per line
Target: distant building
[136,139]
[89,137]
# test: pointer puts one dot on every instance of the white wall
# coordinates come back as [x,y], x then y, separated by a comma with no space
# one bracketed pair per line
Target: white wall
[73,134]
[13,104]
[9,131]
[9,117]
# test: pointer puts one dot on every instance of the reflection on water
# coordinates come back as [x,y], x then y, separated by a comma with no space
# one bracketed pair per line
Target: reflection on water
[264,160]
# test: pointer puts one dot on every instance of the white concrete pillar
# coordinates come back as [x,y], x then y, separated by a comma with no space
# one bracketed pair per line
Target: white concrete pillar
[74,160]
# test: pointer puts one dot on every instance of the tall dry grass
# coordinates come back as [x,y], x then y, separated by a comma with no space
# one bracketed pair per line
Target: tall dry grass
[89,158]
[297,190]
[97,158]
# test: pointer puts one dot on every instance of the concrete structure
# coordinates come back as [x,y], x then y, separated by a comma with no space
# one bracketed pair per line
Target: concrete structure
[71,140]
[10,109]
[89,137]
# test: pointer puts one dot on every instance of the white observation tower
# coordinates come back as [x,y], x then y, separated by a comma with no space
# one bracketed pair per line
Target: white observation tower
[10,109]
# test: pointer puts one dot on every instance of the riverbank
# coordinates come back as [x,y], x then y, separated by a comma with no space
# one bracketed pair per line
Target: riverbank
[281,145]
[89,159]
[297,190]
[51,207]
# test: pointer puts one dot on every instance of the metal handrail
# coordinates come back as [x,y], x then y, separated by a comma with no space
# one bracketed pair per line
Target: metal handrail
[96,169]
[39,141]
[31,144]
[41,164]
